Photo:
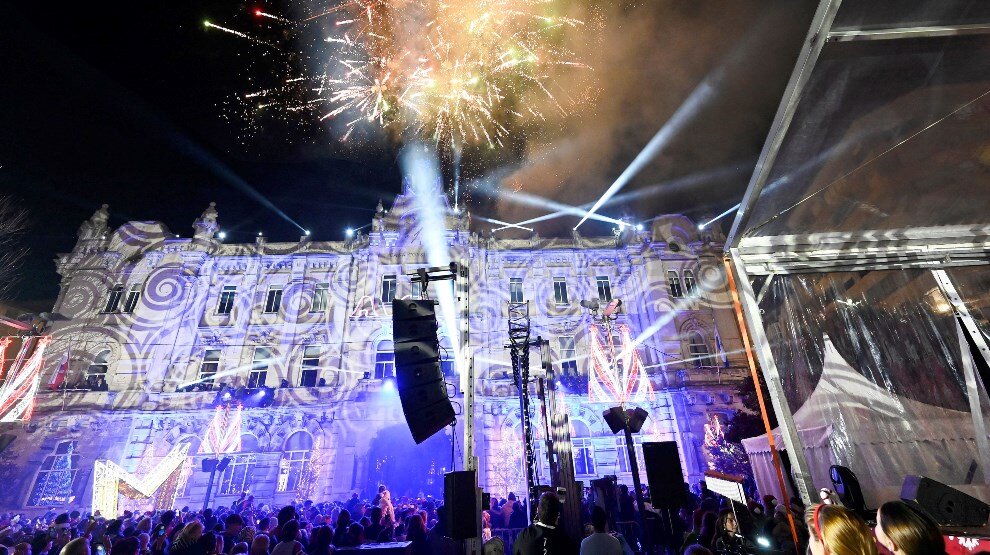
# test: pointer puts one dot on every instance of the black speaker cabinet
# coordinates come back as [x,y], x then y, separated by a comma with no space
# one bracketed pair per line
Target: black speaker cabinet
[459,498]
[664,474]
[948,506]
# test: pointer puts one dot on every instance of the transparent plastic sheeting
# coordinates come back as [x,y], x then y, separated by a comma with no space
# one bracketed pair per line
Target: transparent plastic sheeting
[887,134]
[872,370]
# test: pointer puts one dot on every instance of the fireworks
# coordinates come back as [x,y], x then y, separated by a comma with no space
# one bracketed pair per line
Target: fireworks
[448,70]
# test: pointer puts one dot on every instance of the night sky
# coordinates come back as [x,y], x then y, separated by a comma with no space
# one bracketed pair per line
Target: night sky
[128,104]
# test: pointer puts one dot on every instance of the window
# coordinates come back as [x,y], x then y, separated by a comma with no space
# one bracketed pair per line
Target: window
[259,367]
[53,484]
[321,297]
[384,360]
[417,289]
[273,301]
[133,296]
[604,289]
[675,284]
[388,288]
[516,290]
[584,449]
[295,461]
[226,302]
[559,290]
[310,366]
[96,374]
[567,355]
[699,350]
[689,285]
[237,477]
[113,299]
[622,453]
[208,369]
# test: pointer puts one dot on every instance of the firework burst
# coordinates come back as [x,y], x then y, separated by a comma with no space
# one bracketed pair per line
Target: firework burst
[454,71]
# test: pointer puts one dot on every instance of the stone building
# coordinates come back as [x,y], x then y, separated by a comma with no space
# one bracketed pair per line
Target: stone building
[151,324]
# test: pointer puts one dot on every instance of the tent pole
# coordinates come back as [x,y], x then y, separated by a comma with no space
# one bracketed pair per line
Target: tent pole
[750,310]
[972,392]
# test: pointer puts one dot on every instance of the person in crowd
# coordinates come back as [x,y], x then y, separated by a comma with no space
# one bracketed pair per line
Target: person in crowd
[904,529]
[239,548]
[544,537]
[692,537]
[697,549]
[126,546]
[185,541]
[416,533]
[518,517]
[388,510]
[23,548]
[232,526]
[375,524]
[729,538]
[320,541]
[78,546]
[600,542]
[261,545]
[211,543]
[709,530]
[355,535]
[340,530]
[486,526]
[836,530]
[627,504]
[287,539]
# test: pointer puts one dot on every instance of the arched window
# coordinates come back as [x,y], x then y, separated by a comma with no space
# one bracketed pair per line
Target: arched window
[384,360]
[53,484]
[698,349]
[295,461]
[96,374]
[238,475]
[584,449]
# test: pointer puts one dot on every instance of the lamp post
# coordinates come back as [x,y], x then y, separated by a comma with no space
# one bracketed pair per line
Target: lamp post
[618,417]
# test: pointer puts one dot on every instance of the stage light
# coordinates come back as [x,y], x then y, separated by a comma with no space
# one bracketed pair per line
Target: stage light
[762,542]
[222,235]
[349,232]
[306,232]
[639,227]
[260,234]
[227,396]
[389,385]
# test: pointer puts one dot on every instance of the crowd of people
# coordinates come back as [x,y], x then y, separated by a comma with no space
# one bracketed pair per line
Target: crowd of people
[708,525]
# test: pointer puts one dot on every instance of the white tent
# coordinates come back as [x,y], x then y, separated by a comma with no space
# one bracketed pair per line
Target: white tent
[851,421]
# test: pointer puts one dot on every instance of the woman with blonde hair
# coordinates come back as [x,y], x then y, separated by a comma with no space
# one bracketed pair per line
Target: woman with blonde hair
[836,530]
[388,510]
[904,529]
[186,539]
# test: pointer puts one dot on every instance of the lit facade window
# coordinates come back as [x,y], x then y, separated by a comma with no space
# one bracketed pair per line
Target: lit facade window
[96,374]
[675,285]
[321,297]
[132,298]
[689,283]
[239,474]
[226,301]
[388,288]
[296,454]
[273,300]
[516,290]
[417,289]
[568,353]
[53,485]
[698,349]
[384,360]
[584,449]
[260,364]
[310,366]
[210,366]
[559,290]
[604,288]
[113,298]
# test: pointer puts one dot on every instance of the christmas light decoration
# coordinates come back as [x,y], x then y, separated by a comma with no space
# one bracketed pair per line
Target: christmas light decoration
[618,376]
[110,480]
[18,390]
[309,478]
[224,433]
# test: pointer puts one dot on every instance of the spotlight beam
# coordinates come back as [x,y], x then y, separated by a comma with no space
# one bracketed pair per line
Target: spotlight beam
[503,224]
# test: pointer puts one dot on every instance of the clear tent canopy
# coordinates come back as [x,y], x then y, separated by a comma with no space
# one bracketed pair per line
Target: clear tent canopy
[861,247]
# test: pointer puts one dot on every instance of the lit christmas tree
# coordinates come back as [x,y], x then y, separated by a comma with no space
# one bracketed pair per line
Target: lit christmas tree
[58,483]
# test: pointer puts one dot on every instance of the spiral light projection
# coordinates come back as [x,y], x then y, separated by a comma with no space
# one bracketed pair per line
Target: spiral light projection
[451,71]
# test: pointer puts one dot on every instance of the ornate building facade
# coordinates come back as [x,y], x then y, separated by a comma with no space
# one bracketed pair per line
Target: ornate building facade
[150,324]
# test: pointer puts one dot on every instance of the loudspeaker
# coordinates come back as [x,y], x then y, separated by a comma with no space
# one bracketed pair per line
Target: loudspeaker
[664,474]
[418,375]
[948,506]
[846,485]
[459,497]
[636,418]
[615,419]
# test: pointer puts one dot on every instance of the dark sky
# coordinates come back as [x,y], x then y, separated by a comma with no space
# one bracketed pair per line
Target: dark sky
[125,102]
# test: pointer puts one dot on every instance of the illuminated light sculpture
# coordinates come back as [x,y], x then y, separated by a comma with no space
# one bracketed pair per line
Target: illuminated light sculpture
[224,433]
[18,390]
[619,380]
[714,432]
[110,481]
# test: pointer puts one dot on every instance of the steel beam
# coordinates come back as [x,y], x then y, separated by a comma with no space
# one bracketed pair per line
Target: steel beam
[849,35]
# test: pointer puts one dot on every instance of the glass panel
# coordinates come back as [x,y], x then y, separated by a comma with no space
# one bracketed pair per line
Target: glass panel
[604,288]
[872,368]
[516,290]
[321,297]
[226,302]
